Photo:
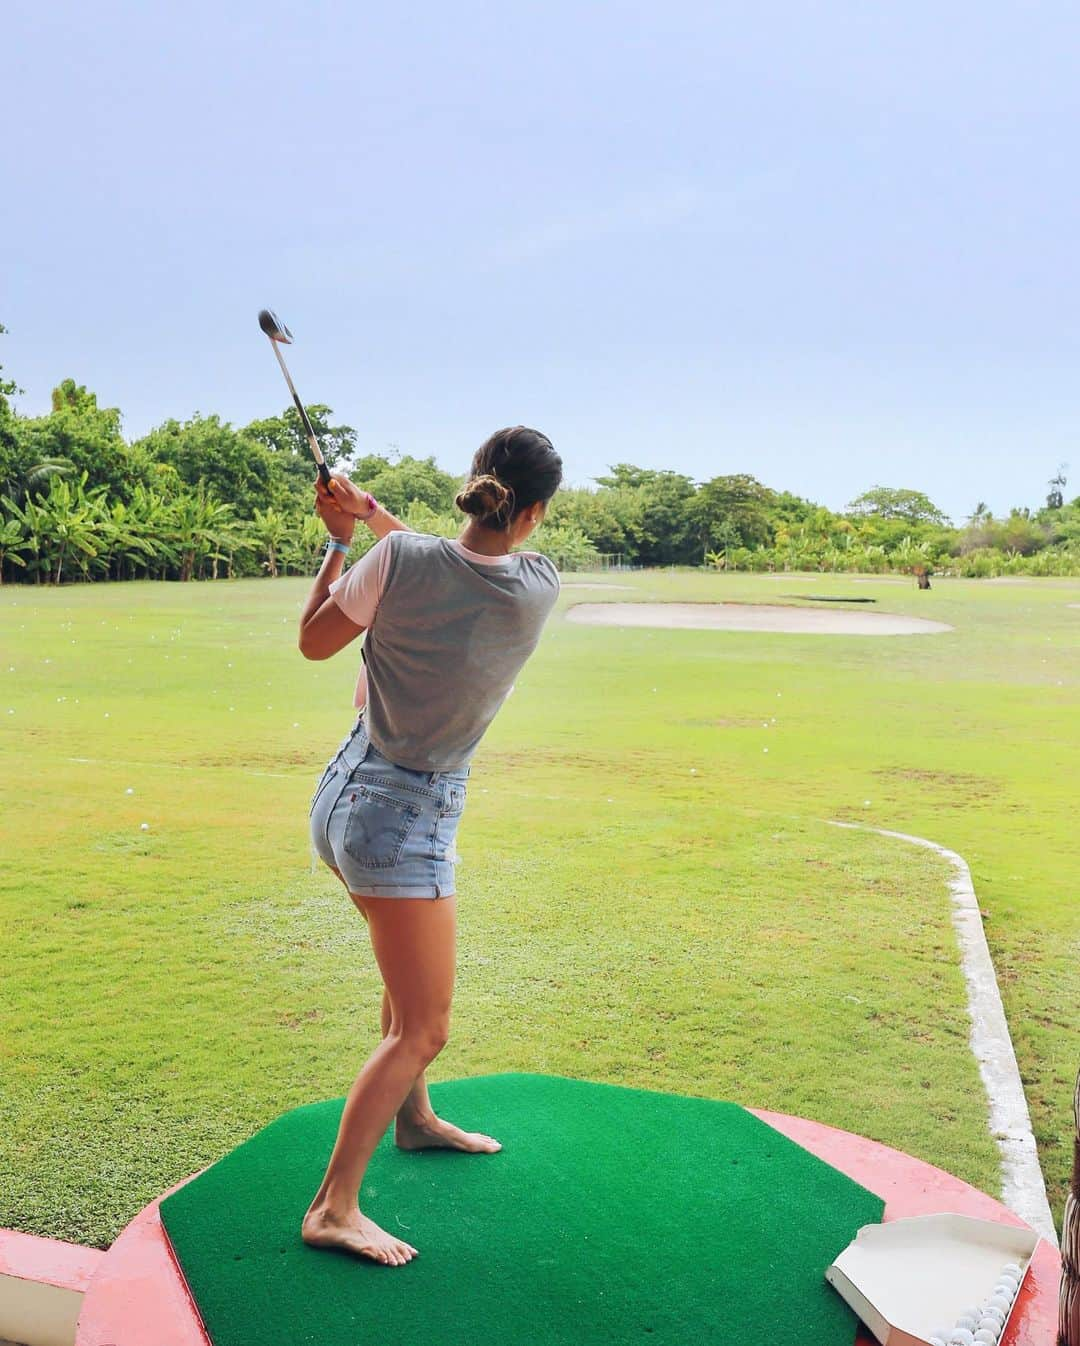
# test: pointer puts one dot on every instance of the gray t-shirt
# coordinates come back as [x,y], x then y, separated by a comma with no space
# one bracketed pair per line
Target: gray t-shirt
[447,640]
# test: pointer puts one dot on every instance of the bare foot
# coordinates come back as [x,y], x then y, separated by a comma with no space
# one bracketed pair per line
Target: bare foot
[356,1234]
[437,1134]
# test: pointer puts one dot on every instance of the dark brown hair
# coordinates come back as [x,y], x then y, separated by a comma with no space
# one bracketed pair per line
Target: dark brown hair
[510,471]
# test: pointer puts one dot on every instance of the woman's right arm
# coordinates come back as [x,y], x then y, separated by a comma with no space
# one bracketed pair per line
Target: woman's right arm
[354,501]
[383,522]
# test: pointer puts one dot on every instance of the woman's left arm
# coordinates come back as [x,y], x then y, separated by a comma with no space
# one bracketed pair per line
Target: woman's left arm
[324,627]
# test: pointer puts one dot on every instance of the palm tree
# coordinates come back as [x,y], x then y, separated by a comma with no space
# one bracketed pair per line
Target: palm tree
[30,480]
[66,519]
[128,544]
[269,530]
[12,539]
[196,521]
[152,520]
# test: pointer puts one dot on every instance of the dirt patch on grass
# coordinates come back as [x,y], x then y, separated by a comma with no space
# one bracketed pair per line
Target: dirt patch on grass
[971,788]
[262,761]
[752,617]
[584,585]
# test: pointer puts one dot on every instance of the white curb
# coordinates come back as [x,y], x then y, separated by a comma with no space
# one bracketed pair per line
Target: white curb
[1023,1185]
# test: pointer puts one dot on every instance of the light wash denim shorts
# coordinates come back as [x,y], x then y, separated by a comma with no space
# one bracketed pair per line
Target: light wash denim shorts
[390,830]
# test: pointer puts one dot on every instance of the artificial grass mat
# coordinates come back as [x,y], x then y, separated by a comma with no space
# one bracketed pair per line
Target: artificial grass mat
[610,1215]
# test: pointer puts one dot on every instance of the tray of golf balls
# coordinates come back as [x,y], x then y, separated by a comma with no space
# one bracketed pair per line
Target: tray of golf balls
[935,1280]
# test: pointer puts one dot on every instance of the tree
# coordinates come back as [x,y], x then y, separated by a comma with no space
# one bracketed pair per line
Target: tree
[9,457]
[76,436]
[269,530]
[887,502]
[1057,484]
[654,509]
[733,511]
[64,525]
[396,485]
[286,439]
[594,513]
[235,465]
[12,539]
[8,387]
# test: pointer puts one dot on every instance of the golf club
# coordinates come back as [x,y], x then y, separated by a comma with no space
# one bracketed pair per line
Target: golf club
[280,335]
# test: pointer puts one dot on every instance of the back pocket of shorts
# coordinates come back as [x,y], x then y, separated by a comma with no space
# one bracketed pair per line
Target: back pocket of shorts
[377,827]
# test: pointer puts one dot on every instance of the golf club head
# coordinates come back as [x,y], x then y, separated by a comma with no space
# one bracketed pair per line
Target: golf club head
[274,329]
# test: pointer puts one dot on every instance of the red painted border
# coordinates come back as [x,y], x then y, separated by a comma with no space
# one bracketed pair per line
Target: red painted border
[138,1296]
[69,1266]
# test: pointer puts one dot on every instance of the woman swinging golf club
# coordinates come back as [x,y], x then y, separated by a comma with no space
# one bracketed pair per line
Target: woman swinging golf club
[449,625]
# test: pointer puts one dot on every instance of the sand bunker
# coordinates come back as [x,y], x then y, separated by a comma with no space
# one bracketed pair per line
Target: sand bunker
[753,617]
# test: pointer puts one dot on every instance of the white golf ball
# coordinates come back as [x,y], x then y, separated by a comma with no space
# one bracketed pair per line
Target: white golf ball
[986,1336]
[938,1341]
[129,791]
[996,1315]
[970,1321]
[144,827]
[1000,1302]
[1014,1268]
[960,1336]
[1006,1289]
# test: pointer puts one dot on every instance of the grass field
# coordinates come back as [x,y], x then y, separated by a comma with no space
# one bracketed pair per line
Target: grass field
[647,896]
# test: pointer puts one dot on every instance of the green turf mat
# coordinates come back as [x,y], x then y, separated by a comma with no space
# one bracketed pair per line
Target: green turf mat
[610,1215]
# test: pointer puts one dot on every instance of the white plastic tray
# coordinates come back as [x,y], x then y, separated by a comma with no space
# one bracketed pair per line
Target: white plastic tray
[908,1278]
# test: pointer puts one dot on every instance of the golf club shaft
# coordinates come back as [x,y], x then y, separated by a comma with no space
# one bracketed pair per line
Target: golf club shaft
[324,471]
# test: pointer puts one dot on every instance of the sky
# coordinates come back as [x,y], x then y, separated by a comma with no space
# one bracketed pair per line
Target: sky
[833,245]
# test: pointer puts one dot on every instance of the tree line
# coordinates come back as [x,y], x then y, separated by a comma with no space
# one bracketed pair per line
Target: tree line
[202,499]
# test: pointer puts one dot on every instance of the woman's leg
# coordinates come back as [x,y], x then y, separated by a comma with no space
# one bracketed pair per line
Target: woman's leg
[416,1127]
[414,944]
[417,1107]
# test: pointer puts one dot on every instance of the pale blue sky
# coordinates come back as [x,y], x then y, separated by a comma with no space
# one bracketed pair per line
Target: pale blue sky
[831,244]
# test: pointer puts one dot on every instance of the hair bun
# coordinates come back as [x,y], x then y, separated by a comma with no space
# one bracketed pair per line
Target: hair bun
[485,497]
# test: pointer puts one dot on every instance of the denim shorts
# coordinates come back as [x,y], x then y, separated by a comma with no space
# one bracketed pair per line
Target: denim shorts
[389,829]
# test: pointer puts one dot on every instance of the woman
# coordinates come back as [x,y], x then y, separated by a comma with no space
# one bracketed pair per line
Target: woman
[449,625]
